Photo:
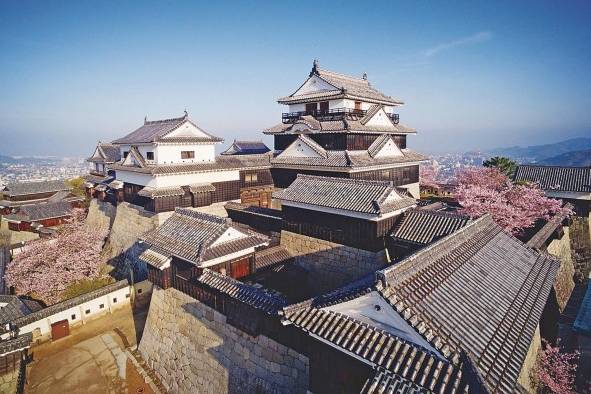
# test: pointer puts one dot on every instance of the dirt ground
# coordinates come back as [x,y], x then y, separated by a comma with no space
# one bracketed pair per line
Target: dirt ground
[92,359]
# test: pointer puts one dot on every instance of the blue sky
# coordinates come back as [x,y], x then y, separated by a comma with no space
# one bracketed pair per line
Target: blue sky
[473,74]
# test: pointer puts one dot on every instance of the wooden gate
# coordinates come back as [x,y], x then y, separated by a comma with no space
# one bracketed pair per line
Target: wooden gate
[60,329]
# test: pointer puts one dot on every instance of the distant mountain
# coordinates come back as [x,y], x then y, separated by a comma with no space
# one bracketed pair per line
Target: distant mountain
[578,158]
[537,153]
[7,159]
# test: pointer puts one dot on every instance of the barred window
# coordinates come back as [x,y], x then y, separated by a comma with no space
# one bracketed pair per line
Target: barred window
[150,155]
[187,154]
[250,178]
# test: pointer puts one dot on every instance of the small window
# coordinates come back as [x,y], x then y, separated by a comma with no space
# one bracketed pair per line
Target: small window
[187,154]
[102,306]
[127,295]
[250,178]
[73,317]
[87,311]
[115,300]
[357,105]
[139,291]
[125,154]
[385,174]
[150,155]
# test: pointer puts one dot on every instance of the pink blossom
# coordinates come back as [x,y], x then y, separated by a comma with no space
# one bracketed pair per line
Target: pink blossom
[428,176]
[555,371]
[47,266]
[514,207]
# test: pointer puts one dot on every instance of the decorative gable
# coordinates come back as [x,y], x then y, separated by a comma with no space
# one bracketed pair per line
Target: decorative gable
[303,147]
[187,129]
[231,234]
[390,149]
[134,158]
[378,119]
[314,84]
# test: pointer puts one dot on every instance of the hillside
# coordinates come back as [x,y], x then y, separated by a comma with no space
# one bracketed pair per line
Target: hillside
[579,158]
[537,153]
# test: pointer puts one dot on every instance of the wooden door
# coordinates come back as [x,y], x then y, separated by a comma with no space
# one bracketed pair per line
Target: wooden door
[324,107]
[357,105]
[311,108]
[60,329]
[240,268]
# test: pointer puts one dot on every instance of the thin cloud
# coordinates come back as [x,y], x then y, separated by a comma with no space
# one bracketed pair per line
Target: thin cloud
[473,39]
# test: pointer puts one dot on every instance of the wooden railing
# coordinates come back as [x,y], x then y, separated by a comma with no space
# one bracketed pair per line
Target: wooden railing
[330,114]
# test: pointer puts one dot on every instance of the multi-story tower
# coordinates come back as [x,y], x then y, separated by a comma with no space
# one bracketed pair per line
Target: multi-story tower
[341,126]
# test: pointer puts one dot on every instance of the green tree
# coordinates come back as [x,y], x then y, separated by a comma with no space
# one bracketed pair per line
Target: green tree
[503,164]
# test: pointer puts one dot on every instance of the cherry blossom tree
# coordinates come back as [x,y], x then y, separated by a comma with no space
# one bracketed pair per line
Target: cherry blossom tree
[483,190]
[47,266]
[555,371]
[428,175]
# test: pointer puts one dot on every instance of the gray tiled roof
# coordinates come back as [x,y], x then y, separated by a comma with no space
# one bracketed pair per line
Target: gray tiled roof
[271,257]
[344,158]
[344,86]
[41,211]
[246,148]
[156,130]
[154,258]
[478,290]
[67,304]
[384,382]
[336,126]
[152,192]
[226,162]
[554,178]
[109,153]
[11,345]
[24,188]
[256,297]
[371,197]
[380,349]
[13,309]
[378,144]
[423,226]
[189,235]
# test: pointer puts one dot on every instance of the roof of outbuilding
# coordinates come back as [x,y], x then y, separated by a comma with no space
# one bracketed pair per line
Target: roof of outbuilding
[13,309]
[246,148]
[479,290]
[344,86]
[189,235]
[256,297]
[24,188]
[555,178]
[370,197]
[107,153]
[226,162]
[21,342]
[423,226]
[42,211]
[156,130]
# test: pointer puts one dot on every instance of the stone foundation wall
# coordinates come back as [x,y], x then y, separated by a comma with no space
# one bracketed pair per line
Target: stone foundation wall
[9,381]
[526,379]
[329,264]
[193,350]
[101,214]
[130,222]
[564,283]
[581,246]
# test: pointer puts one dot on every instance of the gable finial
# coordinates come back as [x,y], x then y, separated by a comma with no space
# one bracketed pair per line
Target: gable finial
[186,113]
[315,67]
[364,76]
[145,119]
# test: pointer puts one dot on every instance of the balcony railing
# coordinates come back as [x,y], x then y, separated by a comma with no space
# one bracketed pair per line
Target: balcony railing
[331,114]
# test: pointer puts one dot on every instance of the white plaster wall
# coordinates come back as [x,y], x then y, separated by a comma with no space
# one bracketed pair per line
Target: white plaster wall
[136,178]
[169,153]
[229,235]
[190,179]
[379,119]
[298,149]
[314,84]
[389,150]
[110,302]
[187,130]
[413,189]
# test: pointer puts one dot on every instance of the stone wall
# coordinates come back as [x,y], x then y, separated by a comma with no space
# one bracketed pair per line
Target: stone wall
[101,214]
[130,222]
[526,379]
[581,246]
[564,283]
[193,350]
[9,381]
[329,264]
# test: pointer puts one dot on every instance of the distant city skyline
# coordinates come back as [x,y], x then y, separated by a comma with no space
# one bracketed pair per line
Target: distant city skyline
[473,76]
